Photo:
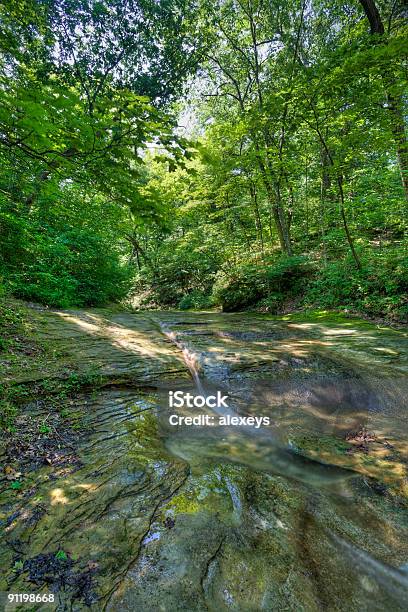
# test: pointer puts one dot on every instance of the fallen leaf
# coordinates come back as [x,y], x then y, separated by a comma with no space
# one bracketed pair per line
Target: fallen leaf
[11,473]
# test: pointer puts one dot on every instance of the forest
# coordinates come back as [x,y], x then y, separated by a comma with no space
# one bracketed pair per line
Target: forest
[238,154]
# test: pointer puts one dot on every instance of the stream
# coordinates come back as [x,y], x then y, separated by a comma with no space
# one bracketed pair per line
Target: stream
[309,512]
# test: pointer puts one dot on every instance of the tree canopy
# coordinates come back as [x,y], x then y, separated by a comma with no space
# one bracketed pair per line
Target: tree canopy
[239,153]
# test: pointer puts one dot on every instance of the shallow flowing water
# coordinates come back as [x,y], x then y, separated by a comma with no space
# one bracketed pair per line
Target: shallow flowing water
[307,513]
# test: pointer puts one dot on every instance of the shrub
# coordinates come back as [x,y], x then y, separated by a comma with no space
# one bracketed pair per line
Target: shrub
[379,288]
[67,249]
[185,275]
[73,268]
[267,285]
[196,300]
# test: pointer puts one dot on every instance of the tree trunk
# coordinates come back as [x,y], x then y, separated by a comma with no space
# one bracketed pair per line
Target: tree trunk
[399,133]
[291,206]
[339,179]
[373,16]
[395,105]
[137,250]
[280,221]
[275,203]
[324,186]
[258,220]
[345,224]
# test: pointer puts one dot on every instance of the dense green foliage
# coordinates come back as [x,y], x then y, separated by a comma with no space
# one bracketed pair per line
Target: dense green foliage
[266,284]
[283,186]
[74,123]
[66,254]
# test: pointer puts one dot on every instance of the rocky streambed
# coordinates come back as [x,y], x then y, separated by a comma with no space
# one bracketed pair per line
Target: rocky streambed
[107,506]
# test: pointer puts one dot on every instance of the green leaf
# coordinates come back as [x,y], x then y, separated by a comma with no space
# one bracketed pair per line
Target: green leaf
[61,555]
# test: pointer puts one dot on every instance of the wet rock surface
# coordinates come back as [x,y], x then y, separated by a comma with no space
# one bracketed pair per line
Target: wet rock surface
[117,510]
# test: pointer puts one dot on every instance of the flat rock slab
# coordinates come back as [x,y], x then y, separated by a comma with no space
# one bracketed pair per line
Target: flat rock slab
[121,512]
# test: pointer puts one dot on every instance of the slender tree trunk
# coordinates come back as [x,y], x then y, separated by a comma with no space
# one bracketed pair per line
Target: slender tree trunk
[273,191]
[279,219]
[395,104]
[291,206]
[400,137]
[339,179]
[324,186]
[137,250]
[270,224]
[275,204]
[345,224]
[307,196]
[135,255]
[278,213]
[283,221]
[325,171]
[238,221]
[258,220]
